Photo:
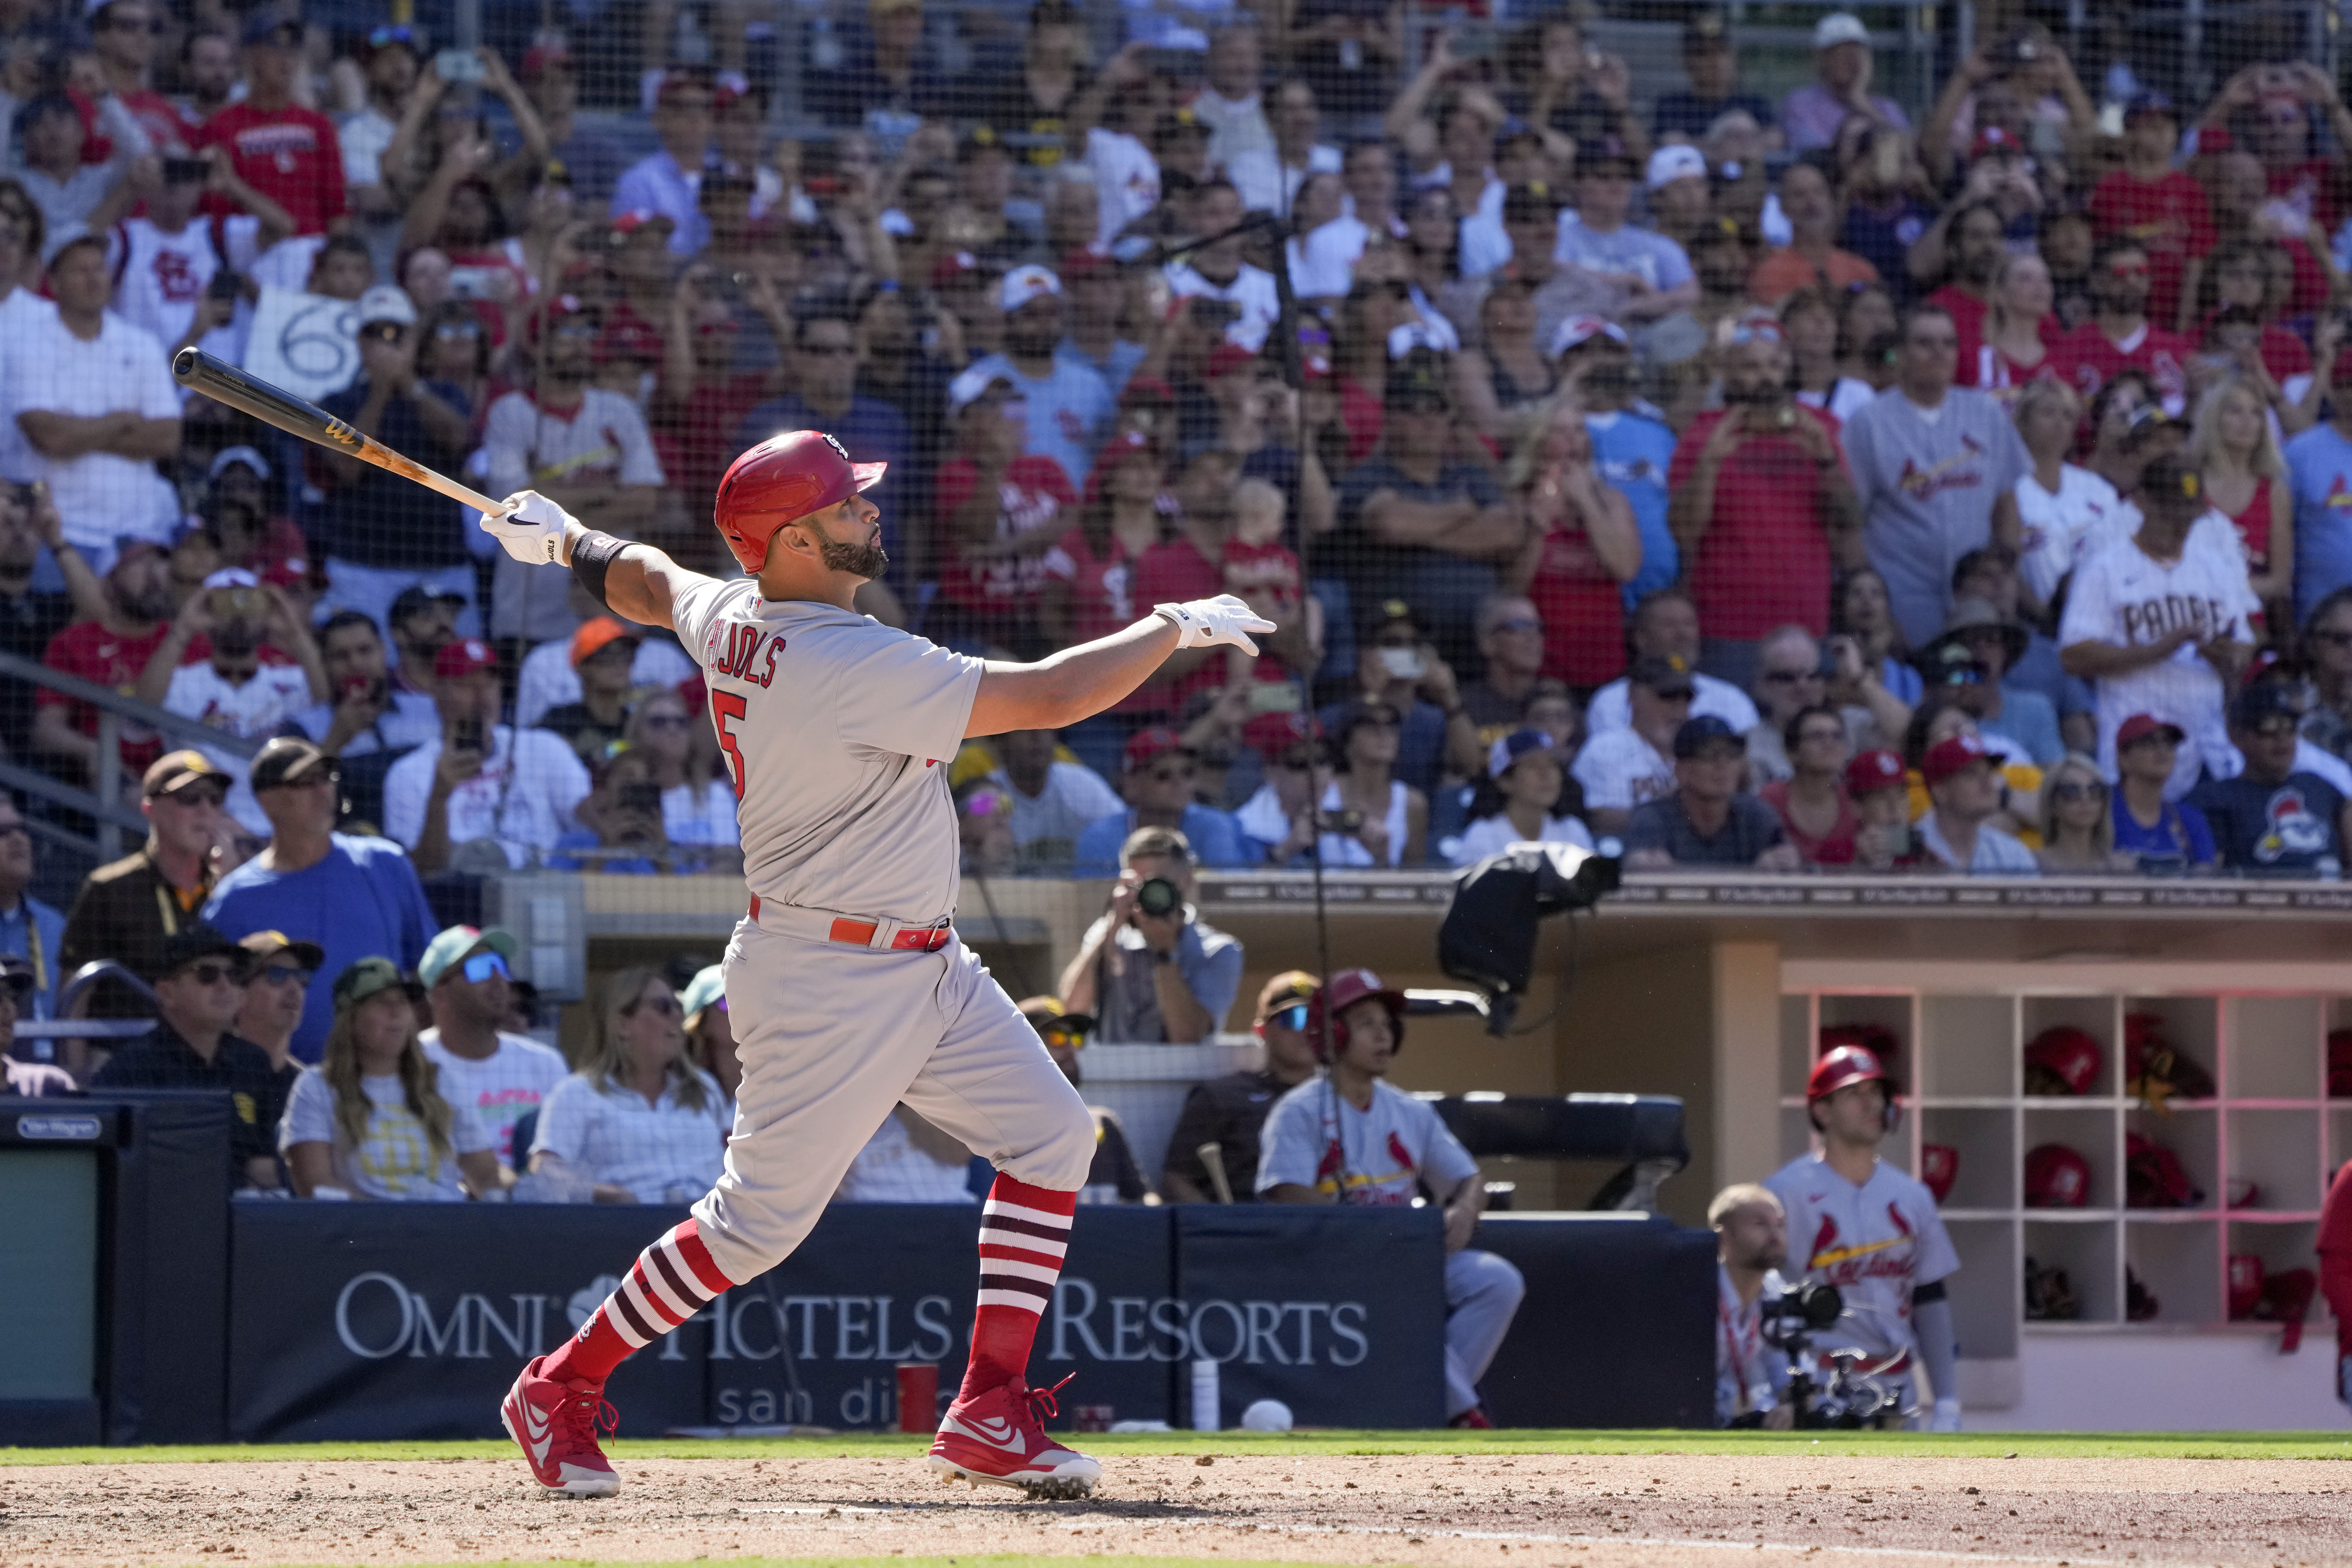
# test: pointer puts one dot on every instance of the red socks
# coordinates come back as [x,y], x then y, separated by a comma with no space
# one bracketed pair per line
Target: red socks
[671,1280]
[1024,1232]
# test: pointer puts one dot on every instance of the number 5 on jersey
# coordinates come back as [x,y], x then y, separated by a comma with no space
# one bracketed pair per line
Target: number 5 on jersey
[724,706]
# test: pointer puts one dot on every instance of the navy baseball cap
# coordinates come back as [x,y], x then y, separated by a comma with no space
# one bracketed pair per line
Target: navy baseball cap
[1693,737]
[2262,701]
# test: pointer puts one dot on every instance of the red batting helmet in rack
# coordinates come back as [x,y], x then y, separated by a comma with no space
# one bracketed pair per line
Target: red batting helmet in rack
[784,477]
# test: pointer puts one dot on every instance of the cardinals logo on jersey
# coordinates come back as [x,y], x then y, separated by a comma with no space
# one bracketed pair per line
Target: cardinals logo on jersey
[176,281]
[1952,474]
[1846,1264]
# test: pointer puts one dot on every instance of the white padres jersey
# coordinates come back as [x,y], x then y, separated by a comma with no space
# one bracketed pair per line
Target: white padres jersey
[836,731]
[1382,1156]
[2060,529]
[2122,596]
[1876,1243]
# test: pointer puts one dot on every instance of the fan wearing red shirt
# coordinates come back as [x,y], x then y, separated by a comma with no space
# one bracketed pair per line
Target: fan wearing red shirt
[123,34]
[701,400]
[1089,588]
[110,651]
[1976,243]
[286,152]
[2119,336]
[1761,502]
[2148,200]
[1583,547]
[1000,510]
[1190,565]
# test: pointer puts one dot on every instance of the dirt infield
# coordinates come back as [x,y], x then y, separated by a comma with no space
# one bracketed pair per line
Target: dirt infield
[1597,1511]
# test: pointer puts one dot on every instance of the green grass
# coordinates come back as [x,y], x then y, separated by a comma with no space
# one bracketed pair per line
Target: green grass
[864,1444]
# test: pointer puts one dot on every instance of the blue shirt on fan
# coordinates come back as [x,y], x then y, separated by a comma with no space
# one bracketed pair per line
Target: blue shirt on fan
[362,901]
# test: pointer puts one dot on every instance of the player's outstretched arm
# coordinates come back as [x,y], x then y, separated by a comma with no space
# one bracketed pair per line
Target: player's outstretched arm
[640,584]
[1080,682]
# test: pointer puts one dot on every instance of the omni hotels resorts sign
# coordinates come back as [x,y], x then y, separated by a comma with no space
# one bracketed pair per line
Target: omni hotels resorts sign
[384,1324]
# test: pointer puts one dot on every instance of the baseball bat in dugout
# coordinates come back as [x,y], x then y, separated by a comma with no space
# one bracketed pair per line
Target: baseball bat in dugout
[224,382]
[1212,1157]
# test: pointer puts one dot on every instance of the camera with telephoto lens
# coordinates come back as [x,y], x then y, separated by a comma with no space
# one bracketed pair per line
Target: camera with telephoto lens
[1849,1399]
[1158,897]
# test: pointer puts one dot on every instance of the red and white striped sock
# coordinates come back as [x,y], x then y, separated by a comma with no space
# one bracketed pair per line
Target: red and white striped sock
[1023,1233]
[670,1281]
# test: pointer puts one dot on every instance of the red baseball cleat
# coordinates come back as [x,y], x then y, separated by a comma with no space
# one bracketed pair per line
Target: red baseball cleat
[999,1436]
[556,1424]
[1474,1419]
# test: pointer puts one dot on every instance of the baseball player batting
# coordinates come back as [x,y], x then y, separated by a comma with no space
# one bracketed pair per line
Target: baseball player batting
[848,989]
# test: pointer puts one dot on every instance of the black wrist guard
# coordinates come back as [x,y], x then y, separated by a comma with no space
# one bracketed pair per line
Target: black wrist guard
[591,558]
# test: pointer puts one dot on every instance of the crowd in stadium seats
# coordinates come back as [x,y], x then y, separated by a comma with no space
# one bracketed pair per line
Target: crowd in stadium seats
[1620,456]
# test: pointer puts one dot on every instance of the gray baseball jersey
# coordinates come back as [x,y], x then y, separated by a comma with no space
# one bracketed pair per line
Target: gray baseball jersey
[835,730]
[1876,1243]
[1927,479]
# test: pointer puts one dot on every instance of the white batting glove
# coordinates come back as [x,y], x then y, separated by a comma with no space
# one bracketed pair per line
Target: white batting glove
[1946,1417]
[531,529]
[1208,623]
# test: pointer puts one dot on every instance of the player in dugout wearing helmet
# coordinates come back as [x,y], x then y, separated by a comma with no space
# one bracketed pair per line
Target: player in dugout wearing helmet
[1350,1137]
[1859,1223]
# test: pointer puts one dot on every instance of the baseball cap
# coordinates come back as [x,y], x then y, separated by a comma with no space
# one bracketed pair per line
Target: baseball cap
[2263,700]
[1706,30]
[1178,122]
[364,979]
[1680,161]
[1024,284]
[191,943]
[1839,27]
[1145,746]
[385,303]
[1695,735]
[261,946]
[1084,263]
[628,223]
[269,27]
[1044,1011]
[978,140]
[540,58]
[174,771]
[1953,754]
[290,760]
[455,945]
[1606,153]
[1664,673]
[1510,748]
[1873,770]
[229,457]
[1994,140]
[462,657]
[973,385]
[2140,726]
[415,600]
[597,634]
[707,989]
[1271,735]
[232,577]
[953,268]
[1531,203]
[1287,989]
[1577,329]
[678,79]
[1419,381]
[2143,105]
[1225,358]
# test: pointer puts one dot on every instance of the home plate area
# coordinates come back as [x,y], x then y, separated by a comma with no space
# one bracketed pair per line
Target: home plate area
[1570,1509]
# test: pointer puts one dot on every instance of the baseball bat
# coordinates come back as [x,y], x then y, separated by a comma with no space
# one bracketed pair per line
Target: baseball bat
[1212,1157]
[224,382]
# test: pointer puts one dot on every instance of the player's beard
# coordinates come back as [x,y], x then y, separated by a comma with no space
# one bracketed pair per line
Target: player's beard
[867,560]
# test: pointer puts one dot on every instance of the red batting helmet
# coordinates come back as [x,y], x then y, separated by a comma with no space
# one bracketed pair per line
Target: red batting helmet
[2062,1059]
[1940,1167]
[1344,990]
[784,478]
[2056,1178]
[1849,1064]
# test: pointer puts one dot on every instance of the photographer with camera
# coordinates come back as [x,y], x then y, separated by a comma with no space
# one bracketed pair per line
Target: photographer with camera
[1148,970]
[1863,1226]
[1751,1243]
